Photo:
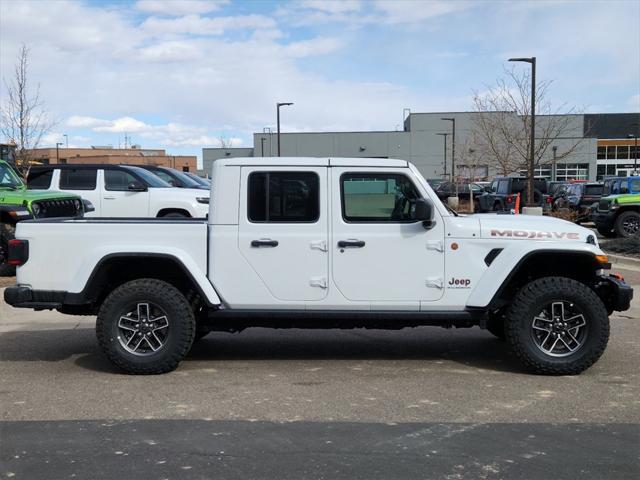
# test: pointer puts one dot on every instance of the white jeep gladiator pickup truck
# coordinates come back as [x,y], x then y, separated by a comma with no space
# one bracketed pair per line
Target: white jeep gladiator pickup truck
[322,243]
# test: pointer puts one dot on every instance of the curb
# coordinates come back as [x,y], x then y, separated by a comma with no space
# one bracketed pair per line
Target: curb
[624,259]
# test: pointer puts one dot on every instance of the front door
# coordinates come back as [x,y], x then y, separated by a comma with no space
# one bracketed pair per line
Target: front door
[283,230]
[118,200]
[380,254]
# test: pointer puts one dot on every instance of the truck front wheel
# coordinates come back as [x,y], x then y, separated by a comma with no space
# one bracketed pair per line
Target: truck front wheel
[146,326]
[557,326]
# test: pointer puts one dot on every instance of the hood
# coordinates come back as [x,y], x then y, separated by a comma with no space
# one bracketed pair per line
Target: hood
[19,197]
[533,227]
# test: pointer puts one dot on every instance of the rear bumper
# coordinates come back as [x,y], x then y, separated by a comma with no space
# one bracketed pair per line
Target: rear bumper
[19,296]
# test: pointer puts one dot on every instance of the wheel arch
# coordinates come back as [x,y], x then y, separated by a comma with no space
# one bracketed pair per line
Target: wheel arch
[116,269]
[166,211]
[581,266]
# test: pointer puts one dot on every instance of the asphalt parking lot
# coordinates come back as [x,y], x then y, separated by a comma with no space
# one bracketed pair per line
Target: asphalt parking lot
[416,403]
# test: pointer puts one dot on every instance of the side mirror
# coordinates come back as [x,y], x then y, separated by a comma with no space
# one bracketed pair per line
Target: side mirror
[88,206]
[423,212]
[137,186]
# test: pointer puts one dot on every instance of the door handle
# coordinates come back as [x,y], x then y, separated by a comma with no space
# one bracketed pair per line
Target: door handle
[109,198]
[350,243]
[264,242]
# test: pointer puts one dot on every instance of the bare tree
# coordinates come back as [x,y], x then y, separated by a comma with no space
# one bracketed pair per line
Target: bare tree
[502,124]
[23,118]
[225,142]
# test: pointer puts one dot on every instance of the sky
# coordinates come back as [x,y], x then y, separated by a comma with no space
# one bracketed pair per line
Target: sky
[184,74]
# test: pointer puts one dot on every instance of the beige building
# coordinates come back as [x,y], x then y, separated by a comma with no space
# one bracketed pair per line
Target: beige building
[132,156]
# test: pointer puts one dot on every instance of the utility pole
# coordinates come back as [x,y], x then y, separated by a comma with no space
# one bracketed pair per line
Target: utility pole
[58,151]
[445,135]
[532,140]
[453,152]
[554,174]
[278,105]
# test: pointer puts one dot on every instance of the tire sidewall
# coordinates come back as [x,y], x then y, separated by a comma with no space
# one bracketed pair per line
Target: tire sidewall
[521,316]
[181,327]
[620,220]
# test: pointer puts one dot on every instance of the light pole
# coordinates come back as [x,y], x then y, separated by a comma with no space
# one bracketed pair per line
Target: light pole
[262,139]
[58,151]
[445,135]
[554,172]
[453,151]
[530,167]
[278,105]
[635,147]
[66,140]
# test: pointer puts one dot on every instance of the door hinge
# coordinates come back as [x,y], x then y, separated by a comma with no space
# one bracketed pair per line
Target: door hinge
[434,282]
[436,245]
[319,245]
[320,282]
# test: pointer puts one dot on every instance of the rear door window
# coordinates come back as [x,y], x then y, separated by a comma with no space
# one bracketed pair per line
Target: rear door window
[593,190]
[78,179]
[284,197]
[39,179]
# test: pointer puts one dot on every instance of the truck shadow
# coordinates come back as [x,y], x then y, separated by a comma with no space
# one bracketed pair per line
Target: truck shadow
[470,347]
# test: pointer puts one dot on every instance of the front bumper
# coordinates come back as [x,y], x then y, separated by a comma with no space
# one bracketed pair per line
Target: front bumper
[20,296]
[615,293]
[603,219]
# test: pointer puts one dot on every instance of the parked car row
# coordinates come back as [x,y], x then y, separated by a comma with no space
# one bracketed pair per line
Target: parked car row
[95,191]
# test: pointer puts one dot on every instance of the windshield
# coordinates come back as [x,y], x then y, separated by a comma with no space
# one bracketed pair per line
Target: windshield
[200,180]
[150,179]
[8,178]
[185,179]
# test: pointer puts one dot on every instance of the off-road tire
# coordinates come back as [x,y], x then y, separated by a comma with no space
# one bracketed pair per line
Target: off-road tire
[182,326]
[527,304]
[620,221]
[7,232]
[606,232]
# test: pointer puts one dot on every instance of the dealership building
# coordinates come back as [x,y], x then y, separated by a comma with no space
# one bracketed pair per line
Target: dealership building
[600,144]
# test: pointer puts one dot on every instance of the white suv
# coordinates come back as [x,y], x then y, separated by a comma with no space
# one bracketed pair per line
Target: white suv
[121,191]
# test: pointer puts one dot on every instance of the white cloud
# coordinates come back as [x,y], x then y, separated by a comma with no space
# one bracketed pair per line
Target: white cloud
[332,6]
[180,7]
[196,25]
[80,121]
[123,125]
[411,11]
[315,46]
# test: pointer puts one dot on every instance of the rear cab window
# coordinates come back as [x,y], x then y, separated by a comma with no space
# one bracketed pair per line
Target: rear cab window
[283,197]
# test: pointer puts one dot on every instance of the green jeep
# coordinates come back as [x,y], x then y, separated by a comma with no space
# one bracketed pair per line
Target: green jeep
[618,214]
[17,204]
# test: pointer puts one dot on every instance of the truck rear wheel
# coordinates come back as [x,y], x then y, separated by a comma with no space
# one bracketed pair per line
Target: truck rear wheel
[7,232]
[557,326]
[146,326]
[628,224]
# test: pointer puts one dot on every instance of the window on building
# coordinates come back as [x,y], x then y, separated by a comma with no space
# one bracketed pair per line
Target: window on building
[377,197]
[283,197]
[622,152]
[39,179]
[475,172]
[611,153]
[118,180]
[541,172]
[602,153]
[80,179]
[572,171]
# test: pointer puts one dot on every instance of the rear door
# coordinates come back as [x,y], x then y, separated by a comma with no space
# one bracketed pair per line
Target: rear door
[118,200]
[283,229]
[378,253]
